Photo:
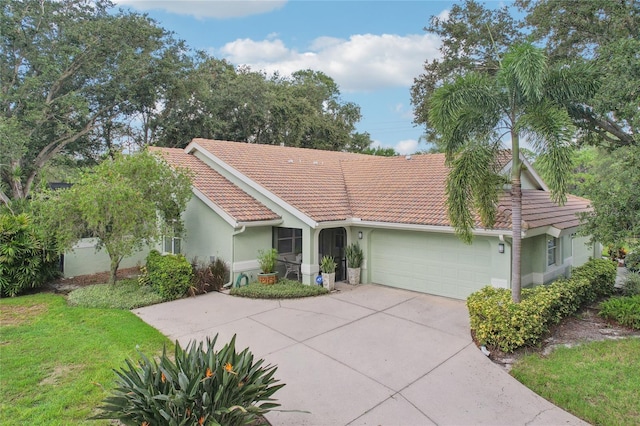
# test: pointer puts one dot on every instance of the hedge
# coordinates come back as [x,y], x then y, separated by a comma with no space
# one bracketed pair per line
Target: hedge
[169,274]
[497,322]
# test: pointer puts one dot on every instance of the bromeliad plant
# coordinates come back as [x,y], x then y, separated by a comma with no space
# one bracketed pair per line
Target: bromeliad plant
[202,387]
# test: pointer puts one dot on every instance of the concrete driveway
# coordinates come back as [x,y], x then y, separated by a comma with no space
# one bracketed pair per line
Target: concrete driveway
[368,355]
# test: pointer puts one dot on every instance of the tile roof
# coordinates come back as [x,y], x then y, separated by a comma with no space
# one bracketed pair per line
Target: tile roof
[334,186]
[539,210]
[310,180]
[234,201]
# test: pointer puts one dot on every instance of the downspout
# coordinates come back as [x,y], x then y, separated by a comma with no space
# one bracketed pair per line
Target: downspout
[233,239]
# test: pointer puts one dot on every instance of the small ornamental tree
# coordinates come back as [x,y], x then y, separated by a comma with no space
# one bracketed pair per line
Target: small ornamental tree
[125,203]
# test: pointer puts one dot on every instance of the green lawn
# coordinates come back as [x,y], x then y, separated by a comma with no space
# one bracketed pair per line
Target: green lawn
[598,382]
[56,361]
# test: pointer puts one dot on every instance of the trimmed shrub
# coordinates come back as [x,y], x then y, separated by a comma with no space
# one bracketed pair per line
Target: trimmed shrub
[27,261]
[283,289]
[624,310]
[498,322]
[169,274]
[631,284]
[202,386]
[602,275]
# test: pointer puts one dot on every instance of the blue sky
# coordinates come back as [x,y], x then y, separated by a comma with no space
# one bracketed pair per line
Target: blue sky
[372,49]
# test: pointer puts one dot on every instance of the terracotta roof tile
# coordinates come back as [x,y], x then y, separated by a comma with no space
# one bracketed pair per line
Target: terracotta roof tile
[333,186]
[235,202]
[539,210]
[309,179]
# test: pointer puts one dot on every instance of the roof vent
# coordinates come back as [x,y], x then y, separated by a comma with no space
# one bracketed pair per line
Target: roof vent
[315,163]
[408,157]
[289,161]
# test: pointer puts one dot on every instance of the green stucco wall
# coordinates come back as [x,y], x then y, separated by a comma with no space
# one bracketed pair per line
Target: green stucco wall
[207,234]
[85,260]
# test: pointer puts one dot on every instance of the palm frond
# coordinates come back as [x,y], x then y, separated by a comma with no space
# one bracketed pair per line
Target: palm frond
[464,110]
[550,130]
[524,71]
[472,185]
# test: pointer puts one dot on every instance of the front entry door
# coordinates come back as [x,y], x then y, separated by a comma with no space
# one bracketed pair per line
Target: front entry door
[331,243]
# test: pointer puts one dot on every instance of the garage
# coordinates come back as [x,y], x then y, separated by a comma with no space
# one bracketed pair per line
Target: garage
[433,263]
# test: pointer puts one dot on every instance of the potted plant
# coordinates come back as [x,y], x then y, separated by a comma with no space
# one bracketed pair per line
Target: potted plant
[267,260]
[328,268]
[354,256]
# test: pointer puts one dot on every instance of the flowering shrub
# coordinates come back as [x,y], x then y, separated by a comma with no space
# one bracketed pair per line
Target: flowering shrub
[201,387]
[498,322]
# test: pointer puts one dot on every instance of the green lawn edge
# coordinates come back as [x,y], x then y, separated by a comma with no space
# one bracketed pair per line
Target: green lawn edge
[597,381]
[57,361]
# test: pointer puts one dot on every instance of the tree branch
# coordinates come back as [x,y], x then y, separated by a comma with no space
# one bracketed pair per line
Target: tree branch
[55,147]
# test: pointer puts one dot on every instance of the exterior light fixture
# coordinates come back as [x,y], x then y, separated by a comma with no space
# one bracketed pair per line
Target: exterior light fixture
[359,235]
[500,247]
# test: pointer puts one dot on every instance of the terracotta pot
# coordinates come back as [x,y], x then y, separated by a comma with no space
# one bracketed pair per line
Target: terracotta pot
[268,279]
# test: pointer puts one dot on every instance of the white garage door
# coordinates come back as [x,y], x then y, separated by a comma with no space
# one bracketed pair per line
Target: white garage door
[431,263]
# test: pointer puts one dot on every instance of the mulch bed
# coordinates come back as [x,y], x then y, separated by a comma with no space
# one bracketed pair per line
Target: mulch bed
[65,285]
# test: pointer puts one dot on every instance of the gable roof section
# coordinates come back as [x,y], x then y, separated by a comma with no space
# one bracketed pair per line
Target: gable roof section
[308,179]
[234,202]
[538,210]
[337,186]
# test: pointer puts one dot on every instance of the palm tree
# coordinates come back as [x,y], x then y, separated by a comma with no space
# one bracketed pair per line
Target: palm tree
[475,114]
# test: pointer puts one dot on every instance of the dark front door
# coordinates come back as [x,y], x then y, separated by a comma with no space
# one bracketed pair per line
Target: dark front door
[332,242]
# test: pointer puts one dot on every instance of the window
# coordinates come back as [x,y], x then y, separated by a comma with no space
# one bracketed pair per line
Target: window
[552,249]
[287,240]
[171,245]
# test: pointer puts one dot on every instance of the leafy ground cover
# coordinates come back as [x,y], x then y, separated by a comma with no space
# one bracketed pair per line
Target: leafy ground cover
[596,381]
[124,294]
[283,289]
[57,360]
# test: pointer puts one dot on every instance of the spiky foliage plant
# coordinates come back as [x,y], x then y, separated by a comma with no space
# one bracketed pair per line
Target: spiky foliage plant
[200,386]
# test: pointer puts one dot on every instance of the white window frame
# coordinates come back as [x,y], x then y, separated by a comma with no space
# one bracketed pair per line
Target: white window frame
[554,247]
[175,242]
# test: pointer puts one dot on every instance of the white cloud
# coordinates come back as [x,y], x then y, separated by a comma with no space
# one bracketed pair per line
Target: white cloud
[408,146]
[444,15]
[219,9]
[364,62]
[403,147]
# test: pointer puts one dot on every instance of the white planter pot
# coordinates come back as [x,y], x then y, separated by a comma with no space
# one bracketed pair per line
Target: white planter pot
[353,274]
[329,281]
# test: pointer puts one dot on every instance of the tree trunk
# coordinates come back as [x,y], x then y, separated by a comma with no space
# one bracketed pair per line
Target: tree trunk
[516,240]
[516,218]
[17,189]
[115,263]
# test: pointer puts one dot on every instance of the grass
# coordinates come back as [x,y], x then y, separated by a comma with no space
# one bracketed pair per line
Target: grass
[125,294]
[57,360]
[283,289]
[597,381]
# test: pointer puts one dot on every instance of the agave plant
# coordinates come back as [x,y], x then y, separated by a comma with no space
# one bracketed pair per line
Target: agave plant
[201,387]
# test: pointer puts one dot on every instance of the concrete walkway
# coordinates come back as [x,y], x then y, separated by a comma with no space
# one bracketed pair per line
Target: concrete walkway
[368,355]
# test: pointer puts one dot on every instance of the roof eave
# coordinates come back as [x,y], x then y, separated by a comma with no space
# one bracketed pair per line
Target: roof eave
[194,146]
